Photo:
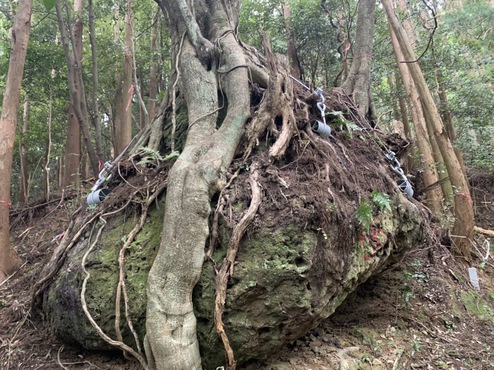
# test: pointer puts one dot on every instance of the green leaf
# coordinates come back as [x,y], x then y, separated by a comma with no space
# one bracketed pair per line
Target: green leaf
[49,4]
[381,200]
[364,215]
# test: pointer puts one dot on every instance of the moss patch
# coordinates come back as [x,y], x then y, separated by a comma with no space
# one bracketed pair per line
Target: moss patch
[102,263]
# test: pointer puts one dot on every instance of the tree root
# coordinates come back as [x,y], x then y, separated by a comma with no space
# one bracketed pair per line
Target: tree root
[277,103]
[226,269]
[106,338]
[222,201]
[121,288]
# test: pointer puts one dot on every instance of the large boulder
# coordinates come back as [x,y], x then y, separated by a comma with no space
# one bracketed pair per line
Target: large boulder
[319,233]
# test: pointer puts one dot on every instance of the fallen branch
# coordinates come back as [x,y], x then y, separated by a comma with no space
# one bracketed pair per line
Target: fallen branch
[226,270]
[58,257]
[483,231]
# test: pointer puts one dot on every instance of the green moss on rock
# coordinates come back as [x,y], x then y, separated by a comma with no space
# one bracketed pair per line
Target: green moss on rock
[287,279]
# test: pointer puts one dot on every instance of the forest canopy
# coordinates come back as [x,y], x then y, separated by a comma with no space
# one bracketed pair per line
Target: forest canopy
[465,58]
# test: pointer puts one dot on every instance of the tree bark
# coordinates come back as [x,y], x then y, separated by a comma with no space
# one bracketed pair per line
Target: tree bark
[71,173]
[403,107]
[76,90]
[46,179]
[464,216]
[357,84]
[153,73]
[171,341]
[94,93]
[9,261]
[123,125]
[295,68]
[24,176]
[427,160]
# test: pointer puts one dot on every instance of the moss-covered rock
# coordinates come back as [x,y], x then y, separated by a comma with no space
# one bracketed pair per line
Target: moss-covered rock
[288,277]
[62,303]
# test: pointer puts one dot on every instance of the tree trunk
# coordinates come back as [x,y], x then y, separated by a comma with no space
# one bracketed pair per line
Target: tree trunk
[123,126]
[24,175]
[427,160]
[119,104]
[46,178]
[73,144]
[403,107]
[295,68]
[171,341]
[342,35]
[153,73]
[357,84]
[94,93]
[9,261]
[78,111]
[464,216]
[445,111]
[394,91]
[447,191]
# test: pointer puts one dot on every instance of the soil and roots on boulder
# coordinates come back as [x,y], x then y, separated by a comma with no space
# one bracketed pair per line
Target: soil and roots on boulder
[250,237]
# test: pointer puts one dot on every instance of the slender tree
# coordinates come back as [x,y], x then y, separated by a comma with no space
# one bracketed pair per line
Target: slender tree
[72,45]
[72,161]
[427,160]
[153,73]
[94,93]
[123,125]
[464,217]
[9,261]
[357,83]
[24,176]
[46,168]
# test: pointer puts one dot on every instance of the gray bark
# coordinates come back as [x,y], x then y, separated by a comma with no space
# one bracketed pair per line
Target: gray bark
[171,340]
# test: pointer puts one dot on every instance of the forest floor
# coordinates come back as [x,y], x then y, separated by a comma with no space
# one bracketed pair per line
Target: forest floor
[419,314]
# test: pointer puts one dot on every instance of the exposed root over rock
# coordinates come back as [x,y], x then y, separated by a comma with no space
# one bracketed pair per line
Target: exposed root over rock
[226,270]
[316,251]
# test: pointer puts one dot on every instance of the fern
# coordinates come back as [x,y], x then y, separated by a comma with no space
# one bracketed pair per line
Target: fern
[150,155]
[381,200]
[364,215]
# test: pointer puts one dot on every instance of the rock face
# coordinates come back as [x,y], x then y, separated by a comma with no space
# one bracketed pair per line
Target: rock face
[289,275]
[331,216]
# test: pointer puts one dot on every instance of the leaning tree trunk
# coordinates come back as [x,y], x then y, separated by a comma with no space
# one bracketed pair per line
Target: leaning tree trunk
[171,341]
[464,217]
[72,45]
[427,161]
